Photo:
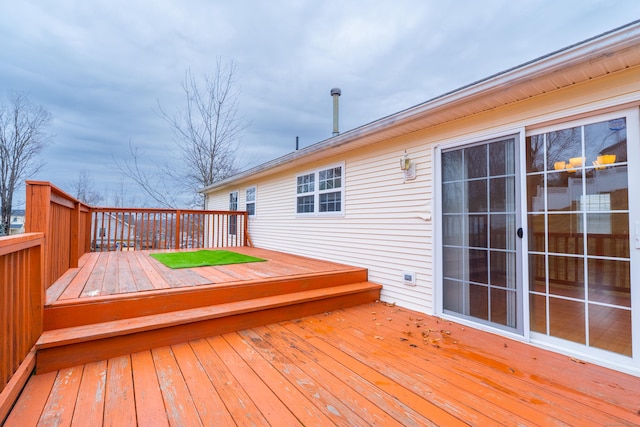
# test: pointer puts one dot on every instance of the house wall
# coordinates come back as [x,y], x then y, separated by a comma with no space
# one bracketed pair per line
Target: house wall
[386,226]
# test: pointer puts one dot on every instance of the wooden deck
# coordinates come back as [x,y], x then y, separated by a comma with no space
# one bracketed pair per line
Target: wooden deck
[108,274]
[373,364]
[118,303]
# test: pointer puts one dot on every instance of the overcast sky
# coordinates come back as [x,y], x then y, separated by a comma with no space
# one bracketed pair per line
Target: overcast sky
[101,67]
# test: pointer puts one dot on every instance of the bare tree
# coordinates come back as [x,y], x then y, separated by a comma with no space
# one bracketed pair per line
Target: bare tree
[83,189]
[156,180]
[206,131]
[118,197]
[22,137]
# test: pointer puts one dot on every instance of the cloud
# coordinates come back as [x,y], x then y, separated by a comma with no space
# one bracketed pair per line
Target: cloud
[102,67]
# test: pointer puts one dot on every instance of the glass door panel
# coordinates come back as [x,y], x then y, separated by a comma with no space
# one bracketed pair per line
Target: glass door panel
[578,224]
[480,254]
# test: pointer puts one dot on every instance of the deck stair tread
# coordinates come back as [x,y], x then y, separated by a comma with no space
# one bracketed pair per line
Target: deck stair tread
[100,309]
[103,330]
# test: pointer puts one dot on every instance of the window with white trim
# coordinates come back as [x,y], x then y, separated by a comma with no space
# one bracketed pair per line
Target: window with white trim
[233,219]
[320,191]
[250,200]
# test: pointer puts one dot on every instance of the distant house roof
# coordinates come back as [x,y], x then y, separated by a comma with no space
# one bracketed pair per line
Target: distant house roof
[598,56]
[18,212]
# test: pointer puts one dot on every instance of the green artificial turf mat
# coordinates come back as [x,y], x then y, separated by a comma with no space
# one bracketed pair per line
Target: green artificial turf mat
[202,258]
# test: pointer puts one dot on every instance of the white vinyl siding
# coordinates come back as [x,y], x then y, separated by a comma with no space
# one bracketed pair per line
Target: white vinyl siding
[380,228]
[387,225]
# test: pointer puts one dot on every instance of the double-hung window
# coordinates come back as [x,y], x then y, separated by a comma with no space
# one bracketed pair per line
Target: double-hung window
[233,219]
[250,199]
[320,191]
[306,193]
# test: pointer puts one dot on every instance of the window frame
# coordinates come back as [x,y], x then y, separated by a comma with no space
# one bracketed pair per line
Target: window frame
[232,225]
[253,202]
[317,194]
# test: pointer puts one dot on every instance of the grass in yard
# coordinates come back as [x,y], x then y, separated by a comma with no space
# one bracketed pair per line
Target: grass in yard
[202,258]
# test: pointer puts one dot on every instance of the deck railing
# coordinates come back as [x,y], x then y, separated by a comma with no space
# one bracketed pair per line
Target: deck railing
[21,302]
[65,222]
[121,229]
[59,230]
[73,228]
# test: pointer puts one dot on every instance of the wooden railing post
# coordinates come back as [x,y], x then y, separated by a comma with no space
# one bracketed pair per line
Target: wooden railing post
[53,212]
[178,235]
[86,241]
[38,219]
[245,231]
[74,248]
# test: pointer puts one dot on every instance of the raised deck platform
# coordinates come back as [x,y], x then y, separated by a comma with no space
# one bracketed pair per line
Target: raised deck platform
[117,303]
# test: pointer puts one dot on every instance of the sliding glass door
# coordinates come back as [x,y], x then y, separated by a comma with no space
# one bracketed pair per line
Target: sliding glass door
[480,243]
[578,223]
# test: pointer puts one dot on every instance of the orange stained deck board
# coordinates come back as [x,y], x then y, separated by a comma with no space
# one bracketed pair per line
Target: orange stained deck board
[237,400]
[119,405]
[300,405]
[265,399]
[60,406]
[126,272]
[75,287]
[150,410]
[205,396]
[28,410]
[354,366]
[443,383]
[178,401]
[401,403]
[89,407]
[352,402]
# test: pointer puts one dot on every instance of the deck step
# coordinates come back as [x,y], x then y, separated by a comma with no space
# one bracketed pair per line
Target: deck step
[89,311]
[72,346]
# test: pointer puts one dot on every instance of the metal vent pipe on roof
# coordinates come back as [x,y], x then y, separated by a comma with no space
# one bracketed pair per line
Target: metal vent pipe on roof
[335,93]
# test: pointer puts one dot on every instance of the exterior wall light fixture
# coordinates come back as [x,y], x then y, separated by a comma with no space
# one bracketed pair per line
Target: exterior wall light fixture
[407,167]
